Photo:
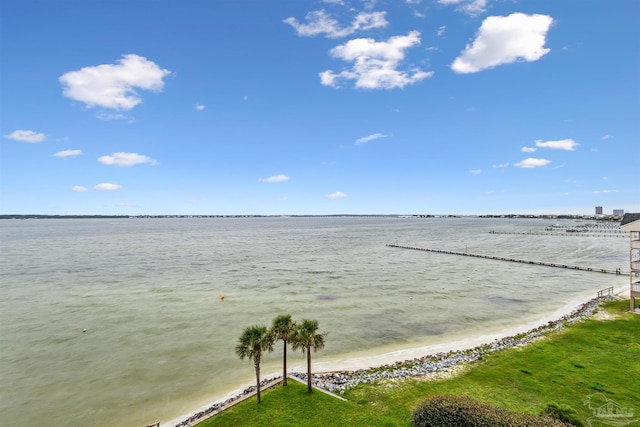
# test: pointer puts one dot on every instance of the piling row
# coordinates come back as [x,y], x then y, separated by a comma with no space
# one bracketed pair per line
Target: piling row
[521,261]
[576,234]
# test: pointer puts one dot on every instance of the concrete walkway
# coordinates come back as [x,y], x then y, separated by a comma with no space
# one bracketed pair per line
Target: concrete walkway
[193,422]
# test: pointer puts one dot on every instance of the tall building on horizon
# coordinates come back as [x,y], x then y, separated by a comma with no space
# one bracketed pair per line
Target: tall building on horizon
[618,212]
[598,210]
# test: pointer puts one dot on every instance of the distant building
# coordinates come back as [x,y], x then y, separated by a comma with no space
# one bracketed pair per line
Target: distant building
[631,223]
[618,212]
[598,210]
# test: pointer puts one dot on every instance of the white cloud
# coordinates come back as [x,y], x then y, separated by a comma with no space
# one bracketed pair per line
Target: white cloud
[471,7]
[532,163]
[503,40]
[528,149]
[369,138]
[474,7]
[605,191]
[319,22]
[564,144]
[107,116]
[441,30]
[605,137]
[336,195]
[475,171]
[501,165]
[26,136]
[78,188]
[199,107]
[113,86]
[375,63]
[275,178]
[68,153]
[107,186]
[125,159]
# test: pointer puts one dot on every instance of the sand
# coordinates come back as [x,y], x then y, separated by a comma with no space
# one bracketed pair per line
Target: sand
[361,363]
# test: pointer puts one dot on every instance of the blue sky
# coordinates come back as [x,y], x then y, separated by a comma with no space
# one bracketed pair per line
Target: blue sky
[319,107]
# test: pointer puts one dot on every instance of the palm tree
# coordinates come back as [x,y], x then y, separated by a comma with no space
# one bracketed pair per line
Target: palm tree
[252,343]
[306,337]
[282,329]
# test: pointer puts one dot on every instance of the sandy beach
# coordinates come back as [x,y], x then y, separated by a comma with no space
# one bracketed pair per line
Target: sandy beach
[338,373]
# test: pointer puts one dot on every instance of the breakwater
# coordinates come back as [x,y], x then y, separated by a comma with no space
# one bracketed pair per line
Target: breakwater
[218,407]
[339,382]
[617,271]
[432,364]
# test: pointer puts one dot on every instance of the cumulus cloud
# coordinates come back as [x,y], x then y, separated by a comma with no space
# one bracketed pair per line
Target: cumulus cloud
[441,30]
[564,144]
[336,195]
[114,86]
[532,163]
[26,136]
[605,137]
[369,138]
[319,22]
[275,178]
[199,107]
[503,40]
[125,159]
[375,64]
[107,186]
[79,189]
[528,149]
[67,153]
[475,171]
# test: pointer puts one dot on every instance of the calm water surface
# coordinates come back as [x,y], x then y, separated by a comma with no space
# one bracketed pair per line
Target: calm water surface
[159,342]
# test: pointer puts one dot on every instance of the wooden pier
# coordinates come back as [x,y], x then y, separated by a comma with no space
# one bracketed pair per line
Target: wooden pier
[577,234]
[521,261]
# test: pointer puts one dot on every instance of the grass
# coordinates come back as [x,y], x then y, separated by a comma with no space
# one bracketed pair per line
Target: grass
[564,368]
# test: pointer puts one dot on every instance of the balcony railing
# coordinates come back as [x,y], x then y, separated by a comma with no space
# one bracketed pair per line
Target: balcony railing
[635,265]
[635,287]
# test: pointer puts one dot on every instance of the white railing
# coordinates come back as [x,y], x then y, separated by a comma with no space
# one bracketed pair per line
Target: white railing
[635,287]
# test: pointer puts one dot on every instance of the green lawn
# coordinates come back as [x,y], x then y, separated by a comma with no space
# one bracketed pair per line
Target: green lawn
[565,368]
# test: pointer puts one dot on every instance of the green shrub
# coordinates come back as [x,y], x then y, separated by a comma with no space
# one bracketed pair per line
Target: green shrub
[563,413]
[446,411]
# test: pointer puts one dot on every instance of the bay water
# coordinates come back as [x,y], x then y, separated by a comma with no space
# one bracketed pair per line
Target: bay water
[120,322]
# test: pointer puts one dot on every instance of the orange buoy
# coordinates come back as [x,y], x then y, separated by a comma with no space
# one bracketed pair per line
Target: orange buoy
[221,297]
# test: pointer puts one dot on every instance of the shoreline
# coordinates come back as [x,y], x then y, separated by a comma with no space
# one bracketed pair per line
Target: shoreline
[420,361]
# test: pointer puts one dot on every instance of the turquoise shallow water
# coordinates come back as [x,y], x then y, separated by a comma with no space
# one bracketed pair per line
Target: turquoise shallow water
[159,341]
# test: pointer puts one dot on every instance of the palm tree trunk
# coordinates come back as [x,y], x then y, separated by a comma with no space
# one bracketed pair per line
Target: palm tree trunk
[309,369]
[284,365]
[257,364]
